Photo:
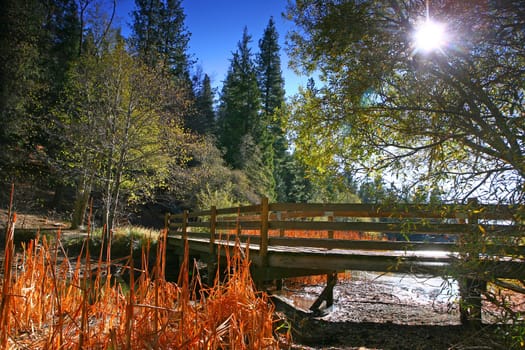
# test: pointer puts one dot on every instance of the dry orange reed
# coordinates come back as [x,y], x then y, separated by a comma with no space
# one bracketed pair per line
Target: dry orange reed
[53,303]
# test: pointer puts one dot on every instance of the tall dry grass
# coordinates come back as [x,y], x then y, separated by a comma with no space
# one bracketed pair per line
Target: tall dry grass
[51,302]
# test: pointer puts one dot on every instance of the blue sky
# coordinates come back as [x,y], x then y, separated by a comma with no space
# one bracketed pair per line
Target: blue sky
[217,26]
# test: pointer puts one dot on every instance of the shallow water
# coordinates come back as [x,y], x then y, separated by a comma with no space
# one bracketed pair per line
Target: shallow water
[383,298]
[423,289]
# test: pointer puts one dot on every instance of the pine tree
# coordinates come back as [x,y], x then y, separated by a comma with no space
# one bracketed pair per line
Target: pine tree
[240,103]
[271,83]
[254,166]
[269,72]
[160,37]
[20,72]
[61,43]
[38,40]
[293,185]
[203,122]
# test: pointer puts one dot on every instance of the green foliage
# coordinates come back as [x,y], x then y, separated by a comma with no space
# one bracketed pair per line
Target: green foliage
[243,132]
[332,189]
[160,37]
[292,182]
[269,74]
[206,174]
[449,116]
[125,240]
[258,166]
[223,197]
[374,191]
[38,43]
[445,117]
[315,136]
[271,136]
[113,118]
[202,121]
[240,103]
[514,335]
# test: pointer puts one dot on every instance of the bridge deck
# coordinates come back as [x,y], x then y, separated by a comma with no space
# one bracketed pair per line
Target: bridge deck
[287,261]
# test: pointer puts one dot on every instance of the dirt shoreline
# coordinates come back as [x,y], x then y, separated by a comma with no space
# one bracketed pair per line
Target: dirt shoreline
[369,316]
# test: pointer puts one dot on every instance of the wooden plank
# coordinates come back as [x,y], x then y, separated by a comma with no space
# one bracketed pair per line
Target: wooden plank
[370,210]
[296,210]
[308,255]
[382,261]
[408,228]
[204,224]
[244,225]
[500,212]
[360,244]
[244,209]
[492,230]
[251,225]
[503,230]
[493,249]
[197,214]
[213,227]
[199,235]
[327,294]
[271,273]
[184,224]
[175,216]
[236,218]
[358,262]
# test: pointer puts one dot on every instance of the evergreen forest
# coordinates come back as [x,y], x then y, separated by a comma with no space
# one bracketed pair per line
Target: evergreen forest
[131,128]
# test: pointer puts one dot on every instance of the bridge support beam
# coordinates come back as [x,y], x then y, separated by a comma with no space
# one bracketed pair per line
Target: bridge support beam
[213,258]
[471,291]
[327,294]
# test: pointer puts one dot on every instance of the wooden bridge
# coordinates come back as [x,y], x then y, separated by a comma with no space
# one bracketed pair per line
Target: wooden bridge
[472,242]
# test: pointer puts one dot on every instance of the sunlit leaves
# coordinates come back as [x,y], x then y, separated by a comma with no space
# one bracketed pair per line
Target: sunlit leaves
[117,122]
[449,116]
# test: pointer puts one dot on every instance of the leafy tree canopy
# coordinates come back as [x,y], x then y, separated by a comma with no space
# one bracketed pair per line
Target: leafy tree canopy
[454,115]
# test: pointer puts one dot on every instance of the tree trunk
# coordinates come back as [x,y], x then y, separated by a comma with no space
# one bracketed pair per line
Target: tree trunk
[81,203]
[113,192]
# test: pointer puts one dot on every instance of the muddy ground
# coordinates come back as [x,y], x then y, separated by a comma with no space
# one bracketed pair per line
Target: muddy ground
[378,313]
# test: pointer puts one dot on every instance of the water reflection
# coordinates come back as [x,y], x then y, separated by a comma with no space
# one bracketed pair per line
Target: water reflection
[410,287]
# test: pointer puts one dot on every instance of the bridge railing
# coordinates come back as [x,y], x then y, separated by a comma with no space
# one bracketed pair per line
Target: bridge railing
[490,238]
[383,227]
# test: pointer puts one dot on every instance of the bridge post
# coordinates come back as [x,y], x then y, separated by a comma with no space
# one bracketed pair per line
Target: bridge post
[263,247]
[327,294]
[184,235]
[167,222]
[471,287]
[212,263]
[185,215]
[330,216]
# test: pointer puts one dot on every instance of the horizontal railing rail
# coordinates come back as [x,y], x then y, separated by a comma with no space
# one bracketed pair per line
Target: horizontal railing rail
[403,219]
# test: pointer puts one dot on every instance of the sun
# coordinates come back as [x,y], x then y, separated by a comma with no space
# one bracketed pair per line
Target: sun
[429,36]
